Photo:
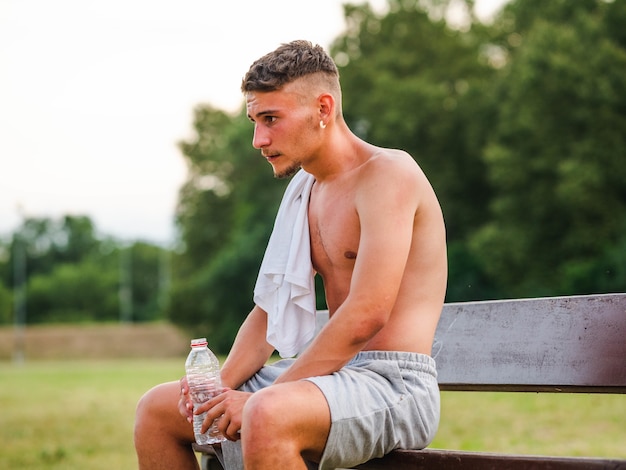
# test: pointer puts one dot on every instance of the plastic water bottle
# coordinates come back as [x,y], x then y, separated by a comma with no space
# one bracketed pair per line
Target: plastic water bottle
[203,376]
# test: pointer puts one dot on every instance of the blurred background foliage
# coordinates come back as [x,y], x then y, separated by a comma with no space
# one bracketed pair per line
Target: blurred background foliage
[520,124]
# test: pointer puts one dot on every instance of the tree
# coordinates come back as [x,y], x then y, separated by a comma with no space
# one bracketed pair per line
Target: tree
[145,271]
[80,292]
[48,242]
[225,215]
[556,159]
[6,304]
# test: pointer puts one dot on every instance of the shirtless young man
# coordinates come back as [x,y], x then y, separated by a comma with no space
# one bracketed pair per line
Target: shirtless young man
[366,384]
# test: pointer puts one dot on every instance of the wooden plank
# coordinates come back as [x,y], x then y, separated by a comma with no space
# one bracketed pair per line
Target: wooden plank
[455,460]
[429,459]
[574,344]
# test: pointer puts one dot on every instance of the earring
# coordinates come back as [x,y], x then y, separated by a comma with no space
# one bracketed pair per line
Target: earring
[322,125]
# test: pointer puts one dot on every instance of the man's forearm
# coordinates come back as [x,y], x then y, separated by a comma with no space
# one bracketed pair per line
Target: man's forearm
[332,349]
[250,350]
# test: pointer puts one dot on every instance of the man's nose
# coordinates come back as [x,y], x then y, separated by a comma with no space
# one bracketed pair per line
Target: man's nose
[260,138]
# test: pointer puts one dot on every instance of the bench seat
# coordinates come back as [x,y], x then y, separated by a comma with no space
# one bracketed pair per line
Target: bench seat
[570,344]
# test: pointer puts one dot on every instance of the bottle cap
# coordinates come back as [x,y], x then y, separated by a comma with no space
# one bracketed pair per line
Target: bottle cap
[199,342]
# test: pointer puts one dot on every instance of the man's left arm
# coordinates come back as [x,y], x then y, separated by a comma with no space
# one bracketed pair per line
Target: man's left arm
[386,215]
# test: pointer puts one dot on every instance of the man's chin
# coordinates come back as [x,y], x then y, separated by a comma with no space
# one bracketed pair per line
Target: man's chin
[287,172]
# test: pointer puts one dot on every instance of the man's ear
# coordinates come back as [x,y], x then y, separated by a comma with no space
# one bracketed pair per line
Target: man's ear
[326,103]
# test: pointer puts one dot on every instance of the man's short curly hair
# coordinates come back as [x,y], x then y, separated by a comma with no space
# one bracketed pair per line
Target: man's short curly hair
[287,63]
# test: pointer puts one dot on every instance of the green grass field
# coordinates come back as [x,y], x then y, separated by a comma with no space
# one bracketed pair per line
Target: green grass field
[79,415]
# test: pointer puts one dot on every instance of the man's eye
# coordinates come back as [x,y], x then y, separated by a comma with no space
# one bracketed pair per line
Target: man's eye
[270,119]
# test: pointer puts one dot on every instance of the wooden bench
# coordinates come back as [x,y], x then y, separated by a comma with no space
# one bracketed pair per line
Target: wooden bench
[573,344]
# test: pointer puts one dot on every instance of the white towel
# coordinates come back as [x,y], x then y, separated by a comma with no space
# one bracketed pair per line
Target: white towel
[285,287]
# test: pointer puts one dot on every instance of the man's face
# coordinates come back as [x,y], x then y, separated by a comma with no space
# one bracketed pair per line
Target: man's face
[284,128]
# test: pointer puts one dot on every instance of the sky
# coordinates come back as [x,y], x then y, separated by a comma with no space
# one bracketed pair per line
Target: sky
[96,94]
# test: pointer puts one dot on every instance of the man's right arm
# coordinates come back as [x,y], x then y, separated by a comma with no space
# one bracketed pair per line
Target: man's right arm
[250,350]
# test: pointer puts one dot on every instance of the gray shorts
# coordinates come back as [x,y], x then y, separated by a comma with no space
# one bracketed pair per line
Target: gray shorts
[380,401]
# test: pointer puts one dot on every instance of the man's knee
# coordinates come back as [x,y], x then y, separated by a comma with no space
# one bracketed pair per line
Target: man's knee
[286,412]
[262,407]
[157,406]
[149,401]
[263,427]
[146,406]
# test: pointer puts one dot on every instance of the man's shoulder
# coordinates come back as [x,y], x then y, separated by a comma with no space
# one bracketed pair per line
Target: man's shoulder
[392,165]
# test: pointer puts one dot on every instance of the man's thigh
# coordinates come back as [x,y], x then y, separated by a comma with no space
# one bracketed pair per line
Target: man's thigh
[297,410]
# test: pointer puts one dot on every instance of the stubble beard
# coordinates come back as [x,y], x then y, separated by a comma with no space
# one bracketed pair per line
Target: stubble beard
[289,171]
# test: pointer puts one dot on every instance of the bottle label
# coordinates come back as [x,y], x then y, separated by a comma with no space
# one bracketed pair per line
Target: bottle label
[203,390]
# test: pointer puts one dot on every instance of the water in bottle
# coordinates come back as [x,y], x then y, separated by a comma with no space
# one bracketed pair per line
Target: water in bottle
[203,376]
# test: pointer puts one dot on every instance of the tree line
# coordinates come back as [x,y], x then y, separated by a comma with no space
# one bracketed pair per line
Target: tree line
[520,125]
[61,270]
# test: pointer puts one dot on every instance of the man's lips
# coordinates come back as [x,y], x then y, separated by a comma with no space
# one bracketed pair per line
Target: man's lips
[270,156]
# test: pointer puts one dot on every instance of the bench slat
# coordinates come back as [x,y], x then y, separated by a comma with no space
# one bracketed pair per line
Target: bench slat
[429,459]
[573,344]
[455,460]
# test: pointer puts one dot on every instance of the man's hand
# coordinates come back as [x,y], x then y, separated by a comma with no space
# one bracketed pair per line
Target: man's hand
[185,405]
[227,408]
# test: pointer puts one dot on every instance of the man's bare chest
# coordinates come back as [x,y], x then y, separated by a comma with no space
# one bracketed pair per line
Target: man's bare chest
[334,230]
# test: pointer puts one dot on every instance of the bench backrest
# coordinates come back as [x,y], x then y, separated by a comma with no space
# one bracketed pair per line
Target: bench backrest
[573,344]
[550,344]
